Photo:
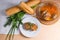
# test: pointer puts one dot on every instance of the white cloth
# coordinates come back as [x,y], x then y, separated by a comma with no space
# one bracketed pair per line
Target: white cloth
[4,4]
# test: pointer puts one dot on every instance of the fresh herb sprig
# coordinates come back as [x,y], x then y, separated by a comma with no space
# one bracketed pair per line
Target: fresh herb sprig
[15,21]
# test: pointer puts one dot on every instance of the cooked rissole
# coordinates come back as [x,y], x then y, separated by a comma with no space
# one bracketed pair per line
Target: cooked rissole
[15,9]
[30,26]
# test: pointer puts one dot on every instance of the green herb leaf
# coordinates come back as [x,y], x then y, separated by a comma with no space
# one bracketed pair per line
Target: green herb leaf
[34,6]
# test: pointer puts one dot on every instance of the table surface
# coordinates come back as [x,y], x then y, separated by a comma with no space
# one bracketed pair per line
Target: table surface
[48,32]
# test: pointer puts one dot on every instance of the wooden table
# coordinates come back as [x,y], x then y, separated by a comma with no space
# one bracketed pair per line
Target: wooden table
[47,32]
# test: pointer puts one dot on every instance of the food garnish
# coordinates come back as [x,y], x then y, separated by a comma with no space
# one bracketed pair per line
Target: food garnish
[15,21]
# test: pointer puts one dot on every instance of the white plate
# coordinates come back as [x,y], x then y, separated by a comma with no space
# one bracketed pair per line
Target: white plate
[31,19]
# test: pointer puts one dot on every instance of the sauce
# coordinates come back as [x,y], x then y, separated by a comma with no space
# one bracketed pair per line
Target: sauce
[47,12]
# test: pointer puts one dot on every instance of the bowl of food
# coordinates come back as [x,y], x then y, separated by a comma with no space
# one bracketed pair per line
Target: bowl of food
[31,26]
[47,13]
